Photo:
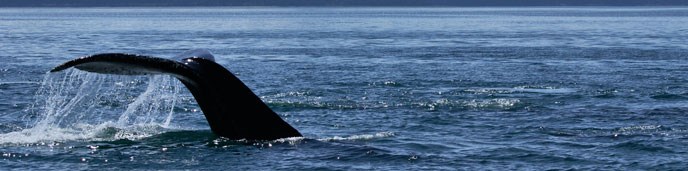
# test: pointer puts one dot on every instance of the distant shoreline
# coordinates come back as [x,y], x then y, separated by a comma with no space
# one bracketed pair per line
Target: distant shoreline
[268,6]
[336,3]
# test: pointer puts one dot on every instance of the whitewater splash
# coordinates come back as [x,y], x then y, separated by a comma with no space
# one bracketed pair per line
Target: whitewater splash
[77,105]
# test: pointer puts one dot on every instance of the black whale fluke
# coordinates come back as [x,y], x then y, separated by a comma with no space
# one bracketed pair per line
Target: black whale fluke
[231,108]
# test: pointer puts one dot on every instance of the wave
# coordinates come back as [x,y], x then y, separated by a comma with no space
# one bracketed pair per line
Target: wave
[497,103]
[108,131]
[647,146]
[523,89]
[19,82]
[621,132]
[360,137]
[439,104]
[668,96]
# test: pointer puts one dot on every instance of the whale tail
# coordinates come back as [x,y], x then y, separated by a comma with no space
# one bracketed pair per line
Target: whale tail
[230,107]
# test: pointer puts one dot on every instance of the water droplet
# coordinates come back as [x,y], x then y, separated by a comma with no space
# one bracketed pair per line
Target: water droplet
[414,157]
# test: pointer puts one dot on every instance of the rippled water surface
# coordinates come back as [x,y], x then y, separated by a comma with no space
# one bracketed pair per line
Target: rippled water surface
[370,88]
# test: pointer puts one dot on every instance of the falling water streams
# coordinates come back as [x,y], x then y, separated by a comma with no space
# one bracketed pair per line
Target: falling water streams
[79,105]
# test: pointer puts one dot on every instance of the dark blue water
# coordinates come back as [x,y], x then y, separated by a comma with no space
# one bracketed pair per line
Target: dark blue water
[370,88]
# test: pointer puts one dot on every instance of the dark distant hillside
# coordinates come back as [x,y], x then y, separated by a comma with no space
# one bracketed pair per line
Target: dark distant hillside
[115,3]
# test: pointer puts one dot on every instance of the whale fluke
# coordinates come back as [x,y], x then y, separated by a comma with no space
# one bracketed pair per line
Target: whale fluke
[230,107]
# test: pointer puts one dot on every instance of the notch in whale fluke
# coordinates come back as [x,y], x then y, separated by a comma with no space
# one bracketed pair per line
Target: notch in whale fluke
[230,107]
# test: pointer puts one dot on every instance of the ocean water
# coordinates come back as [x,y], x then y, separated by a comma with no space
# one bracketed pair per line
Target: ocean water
[593,88]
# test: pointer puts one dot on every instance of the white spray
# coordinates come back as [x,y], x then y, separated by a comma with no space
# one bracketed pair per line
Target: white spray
[76,105]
